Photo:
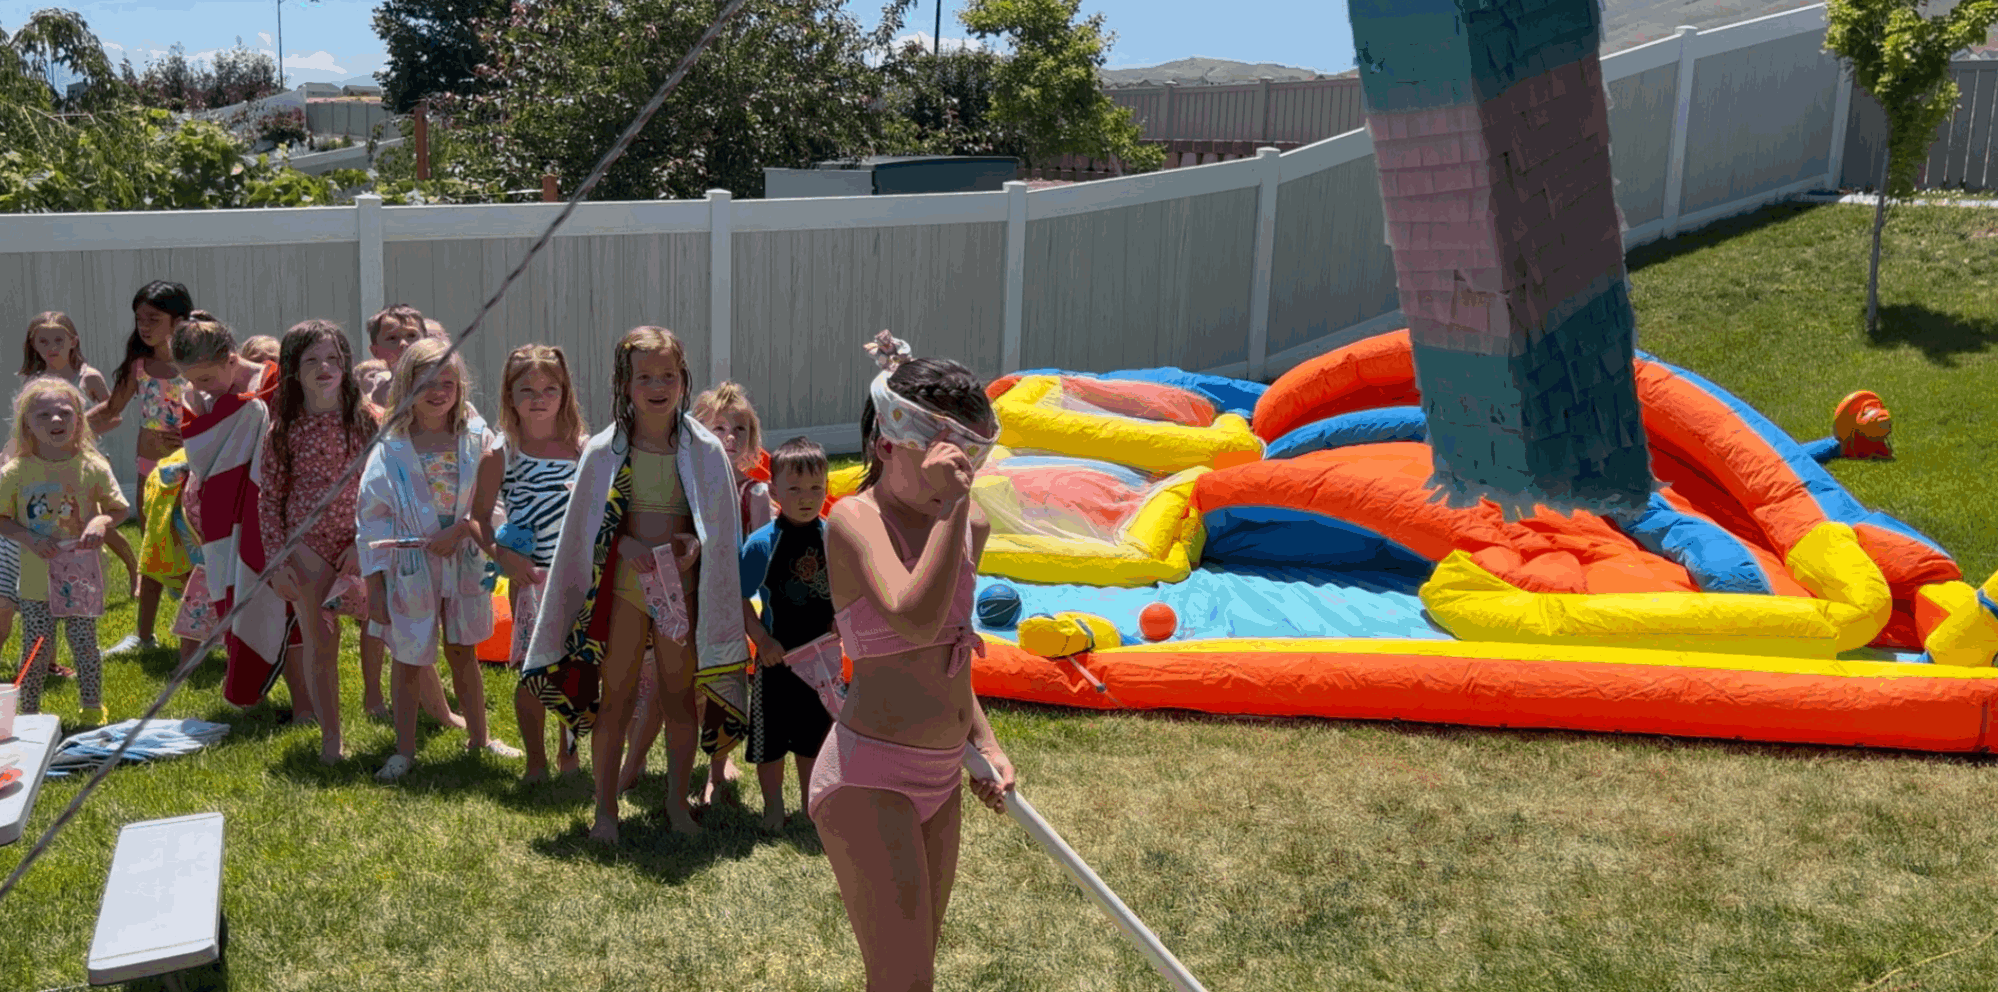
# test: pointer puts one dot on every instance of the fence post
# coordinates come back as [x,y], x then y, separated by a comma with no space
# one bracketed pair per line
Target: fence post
[1264,134]
[422,141]
[1016,276]
[1675,164]
[1270,161]
[551,188]
[368,231]
[1841,118]
[721,255]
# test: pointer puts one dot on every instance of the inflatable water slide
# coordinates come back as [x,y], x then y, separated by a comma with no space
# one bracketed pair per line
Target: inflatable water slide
[1165,539]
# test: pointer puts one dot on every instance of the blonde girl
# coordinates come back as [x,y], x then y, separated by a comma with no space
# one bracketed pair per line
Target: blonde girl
[262,348]
[319,425]
[420,516]
[724,410]
[148,374]
[535,471]
[58,500]
[53,348]
[655,478]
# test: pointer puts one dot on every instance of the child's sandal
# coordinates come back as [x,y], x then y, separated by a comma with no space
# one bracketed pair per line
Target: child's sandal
[397,767]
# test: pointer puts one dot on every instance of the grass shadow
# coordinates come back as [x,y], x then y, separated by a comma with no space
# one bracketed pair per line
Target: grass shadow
[1716,233]
[1941,337]
[159,664]
[647,843]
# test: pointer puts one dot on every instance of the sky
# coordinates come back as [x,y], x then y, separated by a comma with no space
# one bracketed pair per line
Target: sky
[334,40]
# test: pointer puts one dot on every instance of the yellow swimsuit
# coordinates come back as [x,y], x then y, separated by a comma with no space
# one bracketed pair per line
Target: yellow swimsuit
[655,488]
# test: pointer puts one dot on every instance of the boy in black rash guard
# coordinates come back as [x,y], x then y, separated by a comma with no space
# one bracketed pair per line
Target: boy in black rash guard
[785,561]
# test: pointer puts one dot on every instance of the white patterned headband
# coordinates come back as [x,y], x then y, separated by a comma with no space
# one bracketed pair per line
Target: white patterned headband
[902,421]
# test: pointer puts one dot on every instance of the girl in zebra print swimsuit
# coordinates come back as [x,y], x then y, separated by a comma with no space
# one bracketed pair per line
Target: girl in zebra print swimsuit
[544,434]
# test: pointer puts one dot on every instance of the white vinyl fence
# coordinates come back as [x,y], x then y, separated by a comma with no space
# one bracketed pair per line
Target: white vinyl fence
[1244,268]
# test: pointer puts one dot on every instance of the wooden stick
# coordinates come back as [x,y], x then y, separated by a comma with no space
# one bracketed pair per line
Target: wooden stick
[1147,942]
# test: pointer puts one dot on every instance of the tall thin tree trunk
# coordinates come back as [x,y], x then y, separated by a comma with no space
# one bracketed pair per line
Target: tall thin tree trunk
[1873,272]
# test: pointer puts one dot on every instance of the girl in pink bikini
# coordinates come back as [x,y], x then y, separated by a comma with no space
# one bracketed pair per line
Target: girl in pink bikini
[902,556]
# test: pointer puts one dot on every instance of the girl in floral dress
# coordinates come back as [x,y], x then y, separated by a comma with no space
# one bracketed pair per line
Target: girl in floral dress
[319,424]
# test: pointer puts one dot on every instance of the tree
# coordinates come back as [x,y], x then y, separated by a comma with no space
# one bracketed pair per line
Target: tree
[178,84]
[1903,60]
[434,47]
[1048,89]
[103,150]
[941,104]
[785,84]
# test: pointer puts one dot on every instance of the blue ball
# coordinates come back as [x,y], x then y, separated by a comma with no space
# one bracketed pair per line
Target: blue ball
[999,607]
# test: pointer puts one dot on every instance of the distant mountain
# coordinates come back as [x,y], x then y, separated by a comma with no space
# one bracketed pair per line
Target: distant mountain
[1198,71]
[1626,24]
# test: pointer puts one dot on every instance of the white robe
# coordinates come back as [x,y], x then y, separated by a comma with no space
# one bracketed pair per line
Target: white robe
[395,501]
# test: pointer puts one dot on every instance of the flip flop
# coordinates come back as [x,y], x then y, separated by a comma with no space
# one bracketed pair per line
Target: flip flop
[397,767]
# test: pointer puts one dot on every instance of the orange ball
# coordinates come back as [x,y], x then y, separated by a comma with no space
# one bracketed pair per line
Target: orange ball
[1157,622]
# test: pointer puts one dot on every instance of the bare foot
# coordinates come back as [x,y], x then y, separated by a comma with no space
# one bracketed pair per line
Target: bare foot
[712,793]
[773,820]
[332,756]
[535,773]
[567,764]
[605,829]
[682,820]
[376,710]
[730,770]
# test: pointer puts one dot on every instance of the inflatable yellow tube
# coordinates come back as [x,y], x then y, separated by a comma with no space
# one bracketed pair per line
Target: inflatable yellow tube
[1853,605]
[1965,630]
[1028,421]
[1161,543]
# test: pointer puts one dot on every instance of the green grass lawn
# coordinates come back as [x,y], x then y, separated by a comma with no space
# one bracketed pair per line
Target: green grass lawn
[1271,855]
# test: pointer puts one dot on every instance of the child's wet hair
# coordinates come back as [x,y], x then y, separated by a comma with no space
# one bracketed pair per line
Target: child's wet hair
[31,360]
[200,338]
[800,454]
[938,385]
[356,420]
[644,339]
[24,438]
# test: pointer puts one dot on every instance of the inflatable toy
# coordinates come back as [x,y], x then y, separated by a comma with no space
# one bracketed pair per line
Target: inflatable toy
[1315,572]
[1157,622]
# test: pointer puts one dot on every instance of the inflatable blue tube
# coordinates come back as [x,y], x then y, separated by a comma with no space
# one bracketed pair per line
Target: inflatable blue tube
[1716,559]
[1376,426]
[1278,537]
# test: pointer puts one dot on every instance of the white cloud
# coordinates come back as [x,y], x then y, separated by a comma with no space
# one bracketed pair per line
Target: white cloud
[112,46]
[316,62]
[949,43]
[266,36]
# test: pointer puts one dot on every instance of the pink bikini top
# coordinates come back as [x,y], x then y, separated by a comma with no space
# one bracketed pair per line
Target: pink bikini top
[864,633]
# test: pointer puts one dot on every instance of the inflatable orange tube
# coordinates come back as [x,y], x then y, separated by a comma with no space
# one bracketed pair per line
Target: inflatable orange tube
[1868,704]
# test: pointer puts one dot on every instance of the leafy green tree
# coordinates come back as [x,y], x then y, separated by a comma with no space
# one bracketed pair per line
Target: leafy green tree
[941,104]
[103,150]
[434,47]
[179,84]
[785,84]
[1048,89]
[1903,60]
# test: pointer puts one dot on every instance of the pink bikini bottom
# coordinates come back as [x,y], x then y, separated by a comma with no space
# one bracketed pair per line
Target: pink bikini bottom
[927,776]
